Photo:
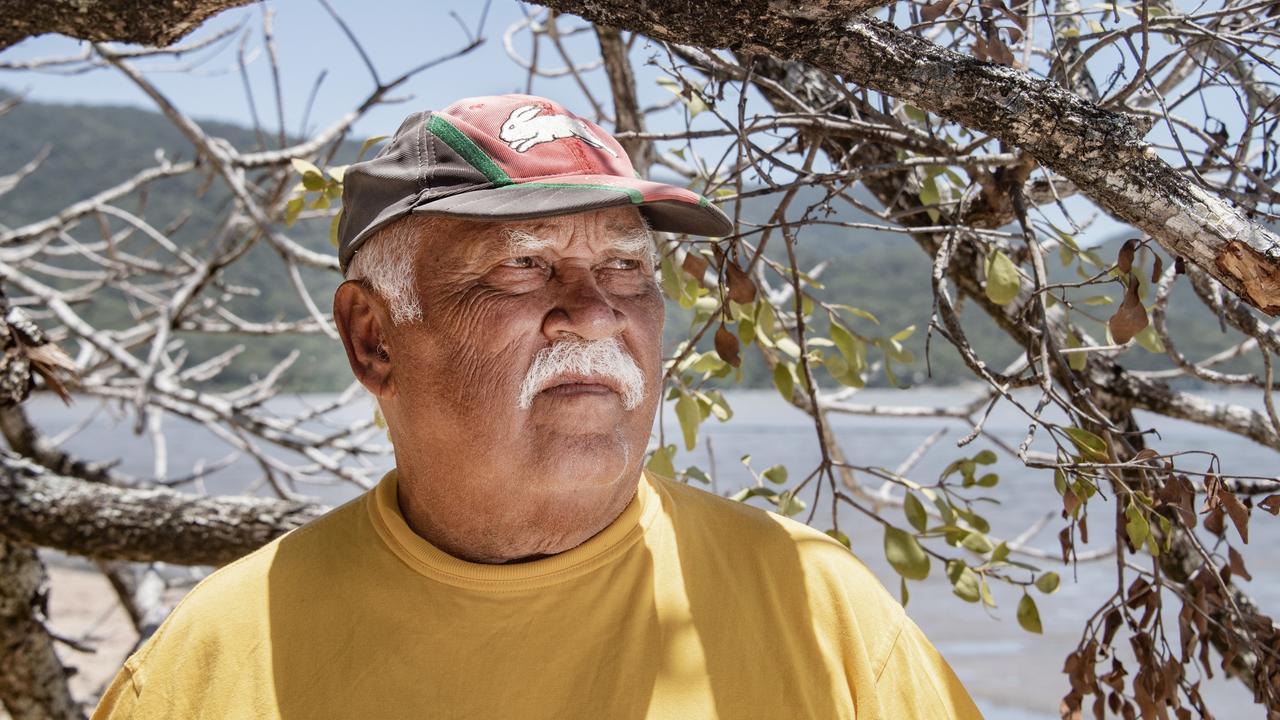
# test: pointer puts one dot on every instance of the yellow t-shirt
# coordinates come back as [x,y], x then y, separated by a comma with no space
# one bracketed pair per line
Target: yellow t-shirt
[688,605]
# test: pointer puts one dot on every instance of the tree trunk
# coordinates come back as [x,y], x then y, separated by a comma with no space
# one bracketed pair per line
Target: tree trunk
[32,682]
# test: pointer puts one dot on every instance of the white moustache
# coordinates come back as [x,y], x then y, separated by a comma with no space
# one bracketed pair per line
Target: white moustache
[603,359]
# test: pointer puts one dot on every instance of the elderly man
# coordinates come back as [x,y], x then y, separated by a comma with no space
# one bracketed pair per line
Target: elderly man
[500,305]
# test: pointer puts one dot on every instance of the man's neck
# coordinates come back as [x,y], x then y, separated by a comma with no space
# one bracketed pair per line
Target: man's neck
[510,525]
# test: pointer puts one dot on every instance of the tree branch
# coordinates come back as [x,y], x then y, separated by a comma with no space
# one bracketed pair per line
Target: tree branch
[145,23]
[1102,152]
[102,522]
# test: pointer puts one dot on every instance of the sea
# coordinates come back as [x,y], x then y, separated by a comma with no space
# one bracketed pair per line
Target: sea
[1011,673]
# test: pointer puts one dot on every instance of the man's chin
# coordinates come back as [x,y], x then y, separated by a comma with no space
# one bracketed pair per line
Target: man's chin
[595,458]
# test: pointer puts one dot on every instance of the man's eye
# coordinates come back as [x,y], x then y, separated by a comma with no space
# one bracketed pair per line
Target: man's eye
[622,264]
[523,262]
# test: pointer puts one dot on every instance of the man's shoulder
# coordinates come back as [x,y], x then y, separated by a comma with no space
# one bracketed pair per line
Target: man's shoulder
[726,523]
[726,514]
[230,601]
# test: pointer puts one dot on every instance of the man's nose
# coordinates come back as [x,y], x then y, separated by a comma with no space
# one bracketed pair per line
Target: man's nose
[580,307]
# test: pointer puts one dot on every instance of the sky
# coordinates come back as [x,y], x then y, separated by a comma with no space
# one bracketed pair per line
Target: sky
[397,35]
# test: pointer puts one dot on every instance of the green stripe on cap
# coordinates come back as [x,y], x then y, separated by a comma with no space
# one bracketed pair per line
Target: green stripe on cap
[461,144]
[636,197]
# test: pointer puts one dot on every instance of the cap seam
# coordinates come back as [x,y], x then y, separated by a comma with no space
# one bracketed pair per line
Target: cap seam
[418,176]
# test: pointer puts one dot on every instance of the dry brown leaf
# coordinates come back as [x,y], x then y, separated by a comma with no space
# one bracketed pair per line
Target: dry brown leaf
[1157,267]
[935,10]
[741,289]
[1236,563]
[1271,504]
[1215,521]
[1145,454]
[49,360]
[695,265]
[1130,317]
[1125,261]
[1236,510]
[727,347]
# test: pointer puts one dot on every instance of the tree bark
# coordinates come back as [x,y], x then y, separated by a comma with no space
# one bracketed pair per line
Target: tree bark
[32,682]
[109,523]
[626,108]
[134,21]
[1102,152]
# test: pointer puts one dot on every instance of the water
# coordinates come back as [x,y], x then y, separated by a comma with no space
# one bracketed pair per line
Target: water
[1013,675]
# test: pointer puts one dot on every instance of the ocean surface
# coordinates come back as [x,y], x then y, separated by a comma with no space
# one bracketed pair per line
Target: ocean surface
[1012,674]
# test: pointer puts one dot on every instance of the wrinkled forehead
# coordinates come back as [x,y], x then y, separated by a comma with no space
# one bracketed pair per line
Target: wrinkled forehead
[615,230]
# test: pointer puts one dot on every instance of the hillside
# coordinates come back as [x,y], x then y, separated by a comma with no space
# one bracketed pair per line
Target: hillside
[95,147]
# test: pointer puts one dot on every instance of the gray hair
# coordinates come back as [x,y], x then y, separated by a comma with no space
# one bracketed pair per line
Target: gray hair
[387,261]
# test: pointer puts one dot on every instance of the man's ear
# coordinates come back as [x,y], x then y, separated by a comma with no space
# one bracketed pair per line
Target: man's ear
[362,323]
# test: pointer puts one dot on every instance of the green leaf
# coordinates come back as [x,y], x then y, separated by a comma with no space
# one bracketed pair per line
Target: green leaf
[845,342]
[364,147]
[929,196]
[1003,282]
[1098,300]
[988,480]
[977,542]
[1047,583]
[766,319]
[789,504]
[856,312]
[905,554]
[776,474]
[841,538]
[689,414]
[1136,525]
[1029,616]
[964,581]
[1000,553]
[985,592]
[986,457]
[788,346]
[660,462]
[902,591]
[719,406]
[670,278]
[292,209]
[696,473]
[1149,340]
[306,167]
[1089,445]
[914,510]
[333,227]
[1076,360]
[783,380]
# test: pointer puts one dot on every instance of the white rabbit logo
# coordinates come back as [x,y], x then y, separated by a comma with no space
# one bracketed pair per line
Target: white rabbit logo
[524,128]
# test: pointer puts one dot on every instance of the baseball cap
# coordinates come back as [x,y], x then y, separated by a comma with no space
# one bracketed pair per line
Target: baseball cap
[507,157]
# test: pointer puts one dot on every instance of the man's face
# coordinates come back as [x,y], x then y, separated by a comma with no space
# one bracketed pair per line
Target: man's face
[487,374]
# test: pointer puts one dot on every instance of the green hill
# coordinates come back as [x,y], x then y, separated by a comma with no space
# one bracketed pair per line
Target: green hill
[94,147]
